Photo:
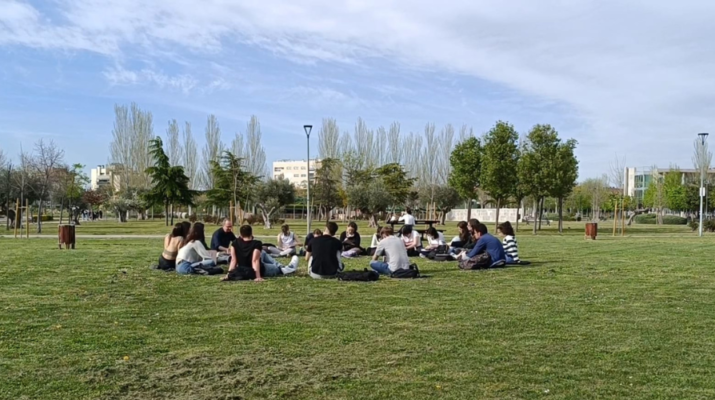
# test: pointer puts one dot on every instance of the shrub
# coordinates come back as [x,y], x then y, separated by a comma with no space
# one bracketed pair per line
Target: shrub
[709,225]
[667,219]
[45,218]
[693,225]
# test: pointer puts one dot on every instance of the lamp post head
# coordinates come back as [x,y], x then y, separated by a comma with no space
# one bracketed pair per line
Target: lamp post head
[307,129]
[703,136]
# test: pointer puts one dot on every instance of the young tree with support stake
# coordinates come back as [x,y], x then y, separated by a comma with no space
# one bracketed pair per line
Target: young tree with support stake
[499,163]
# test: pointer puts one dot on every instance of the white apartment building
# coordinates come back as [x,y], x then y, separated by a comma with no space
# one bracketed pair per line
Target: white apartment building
[295,171]
[103,176]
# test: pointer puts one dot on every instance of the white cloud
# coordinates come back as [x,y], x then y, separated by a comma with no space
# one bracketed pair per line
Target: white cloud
[627,67]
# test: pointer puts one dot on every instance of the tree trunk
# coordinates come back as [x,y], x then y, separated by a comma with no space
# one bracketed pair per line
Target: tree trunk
[166,213]
[496,224]
[519,207]
[172,214]
[541,211]
[372,221]
[39,217]
[469,209]
[62,209]
[536,214]
[561,215]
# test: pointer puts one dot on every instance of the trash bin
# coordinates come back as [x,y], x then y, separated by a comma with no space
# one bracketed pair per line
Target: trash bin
[66,236]
[591,230]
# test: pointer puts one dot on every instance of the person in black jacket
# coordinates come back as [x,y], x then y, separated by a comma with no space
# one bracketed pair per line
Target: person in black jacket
[350,240]
[323,254]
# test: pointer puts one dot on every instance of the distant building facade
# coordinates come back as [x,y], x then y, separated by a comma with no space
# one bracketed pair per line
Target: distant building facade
[637,180]
[104,175]
[295,171]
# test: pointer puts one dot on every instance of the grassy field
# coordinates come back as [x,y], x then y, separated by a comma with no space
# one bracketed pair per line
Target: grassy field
[613,318]
[156,227]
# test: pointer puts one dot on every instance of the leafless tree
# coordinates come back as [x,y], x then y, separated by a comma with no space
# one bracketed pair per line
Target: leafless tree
[658,194]
[173,143]
[47,159]
[190,154]
[429,160]
[255,154]
[446,143]
[142,129]
[381,146]
[237,145]
[617,172]
[329,139]
[702,157]
[364,144]
[211,152]
[395,147]
[465,132]
[121,146]
[346,144]
[412,155]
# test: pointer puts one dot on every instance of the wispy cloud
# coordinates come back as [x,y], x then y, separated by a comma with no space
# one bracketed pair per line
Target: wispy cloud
[621,67]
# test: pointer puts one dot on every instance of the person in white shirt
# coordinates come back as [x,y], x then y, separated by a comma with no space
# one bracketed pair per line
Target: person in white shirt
[435,239]
[395,255]
[375,241]
[193,258]
[412,240]
[407,219]
[286,243]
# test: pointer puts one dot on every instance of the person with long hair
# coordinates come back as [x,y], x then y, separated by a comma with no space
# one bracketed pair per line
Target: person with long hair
[435,240]
[511,248]
[172,243]
[193,258]
[350,240]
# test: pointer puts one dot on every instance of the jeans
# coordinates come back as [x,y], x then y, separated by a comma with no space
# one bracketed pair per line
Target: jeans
[510,259]
[186,267]
[381,267]
[313,275]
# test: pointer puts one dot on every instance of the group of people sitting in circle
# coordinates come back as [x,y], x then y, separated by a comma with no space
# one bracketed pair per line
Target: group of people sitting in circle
[186,251]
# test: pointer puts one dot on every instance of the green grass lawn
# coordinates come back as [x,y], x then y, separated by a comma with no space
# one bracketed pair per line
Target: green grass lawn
[620,318]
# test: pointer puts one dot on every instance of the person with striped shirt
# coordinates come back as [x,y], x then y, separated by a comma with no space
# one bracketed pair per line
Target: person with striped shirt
[511,248]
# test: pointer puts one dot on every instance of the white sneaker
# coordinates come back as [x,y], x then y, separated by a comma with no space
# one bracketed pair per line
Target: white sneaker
[292,267]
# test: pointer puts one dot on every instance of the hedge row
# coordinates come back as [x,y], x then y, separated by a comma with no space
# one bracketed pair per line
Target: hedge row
[667,219]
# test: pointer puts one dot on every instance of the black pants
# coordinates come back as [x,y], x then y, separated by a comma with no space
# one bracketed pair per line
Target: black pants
[166,265]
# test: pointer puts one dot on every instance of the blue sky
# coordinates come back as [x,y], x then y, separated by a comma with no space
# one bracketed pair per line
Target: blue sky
[634,78]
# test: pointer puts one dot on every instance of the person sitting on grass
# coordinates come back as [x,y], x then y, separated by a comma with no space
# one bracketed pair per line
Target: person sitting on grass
[487,244]
[461,241]
[172,243]
[223,237]
[308,239]
[511,248]
[249,261]
[185,228]
[435,240]
[412,240]
[286,243]
[375,241]
[193,258]
[394,251]
[350,240]
[323,254]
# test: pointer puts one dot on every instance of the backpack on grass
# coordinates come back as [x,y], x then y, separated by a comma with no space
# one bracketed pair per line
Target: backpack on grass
[410,273]
[359,276]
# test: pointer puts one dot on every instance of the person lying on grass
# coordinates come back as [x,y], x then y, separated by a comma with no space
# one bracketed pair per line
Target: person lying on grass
[249,261]
[394,251]
[323,254]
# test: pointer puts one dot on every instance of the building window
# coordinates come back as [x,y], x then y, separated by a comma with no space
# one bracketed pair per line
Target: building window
[302,167]
[302,175]
[277,169]
[295,175]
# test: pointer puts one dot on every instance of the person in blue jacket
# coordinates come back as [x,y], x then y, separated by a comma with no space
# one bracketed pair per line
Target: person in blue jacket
[486,243]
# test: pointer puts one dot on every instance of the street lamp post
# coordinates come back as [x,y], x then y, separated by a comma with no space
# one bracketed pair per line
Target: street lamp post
[703,136]
[307,129]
